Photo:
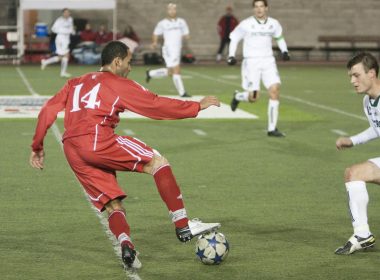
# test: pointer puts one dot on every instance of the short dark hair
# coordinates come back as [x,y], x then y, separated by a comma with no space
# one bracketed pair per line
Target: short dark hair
[368,60]
[265,2]
[112,50]
[64,10]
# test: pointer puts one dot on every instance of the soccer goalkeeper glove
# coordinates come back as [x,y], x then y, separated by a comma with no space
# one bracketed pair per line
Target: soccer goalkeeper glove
[285,56]
[231,60]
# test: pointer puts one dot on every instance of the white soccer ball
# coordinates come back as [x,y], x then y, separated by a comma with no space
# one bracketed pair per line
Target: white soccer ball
[212,248]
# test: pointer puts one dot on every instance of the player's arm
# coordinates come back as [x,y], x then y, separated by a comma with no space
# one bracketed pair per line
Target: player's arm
[158,31]
[141,101]
[185,31]
[46,118]
[281,43]
[235,37]
[361,138]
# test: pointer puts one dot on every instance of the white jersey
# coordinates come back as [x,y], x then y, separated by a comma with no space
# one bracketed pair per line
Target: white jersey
[372,111]
[257,37]
[172,30]
[63,27]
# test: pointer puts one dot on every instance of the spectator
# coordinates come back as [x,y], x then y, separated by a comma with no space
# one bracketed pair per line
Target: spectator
[87,35]
[103,36]
[130,33]
[226,25]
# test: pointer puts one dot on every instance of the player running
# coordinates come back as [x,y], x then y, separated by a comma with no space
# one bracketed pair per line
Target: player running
[259,63]
[173,29]
[363,70]
[63,27]
[92,105]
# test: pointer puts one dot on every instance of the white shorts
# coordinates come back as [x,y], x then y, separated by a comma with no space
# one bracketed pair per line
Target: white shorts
[375,161]
[62,45]
[172,56]
[253,70]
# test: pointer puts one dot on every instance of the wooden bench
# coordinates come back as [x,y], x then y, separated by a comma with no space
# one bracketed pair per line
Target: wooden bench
[352,44]
[305,49]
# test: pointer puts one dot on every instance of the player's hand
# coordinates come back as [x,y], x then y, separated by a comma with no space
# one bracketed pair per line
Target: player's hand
[36,159]
[209,101]
[343,143]
[285,56]
[231,60]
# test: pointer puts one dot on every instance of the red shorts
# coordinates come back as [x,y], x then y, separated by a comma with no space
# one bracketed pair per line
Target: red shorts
[96,169]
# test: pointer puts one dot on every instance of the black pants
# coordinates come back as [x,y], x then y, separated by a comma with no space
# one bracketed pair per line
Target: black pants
[223,43]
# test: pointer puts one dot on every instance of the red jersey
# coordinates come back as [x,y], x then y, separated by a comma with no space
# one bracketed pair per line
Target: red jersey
[93,102]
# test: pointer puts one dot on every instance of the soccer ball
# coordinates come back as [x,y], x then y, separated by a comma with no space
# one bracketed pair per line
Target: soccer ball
[212,248]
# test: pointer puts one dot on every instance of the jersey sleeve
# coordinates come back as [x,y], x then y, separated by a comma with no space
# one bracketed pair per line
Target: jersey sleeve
[139,100]
[277,34]
[235,37]
[159,29]
[185,28]
[48,115]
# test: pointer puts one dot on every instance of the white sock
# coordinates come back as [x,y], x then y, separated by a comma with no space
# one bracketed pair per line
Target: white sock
[358,201]
[158,73]
[273,114]
[51,60]
[64,63]
[177,80]
[242,96]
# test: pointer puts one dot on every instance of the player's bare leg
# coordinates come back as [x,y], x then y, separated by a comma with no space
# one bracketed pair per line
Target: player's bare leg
[273,108]
[356,178]
[171,194]
[120,228]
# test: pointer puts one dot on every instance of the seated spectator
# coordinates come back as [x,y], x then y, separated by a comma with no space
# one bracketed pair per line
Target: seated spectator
[131,34]
[103,36]
[87,35]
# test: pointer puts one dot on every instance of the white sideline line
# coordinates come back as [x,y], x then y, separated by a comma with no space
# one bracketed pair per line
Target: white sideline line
[199,132]
[102,219]
[339,132]
[129,132]
[292,98]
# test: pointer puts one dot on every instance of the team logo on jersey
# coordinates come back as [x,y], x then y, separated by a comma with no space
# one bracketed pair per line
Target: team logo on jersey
[271,27]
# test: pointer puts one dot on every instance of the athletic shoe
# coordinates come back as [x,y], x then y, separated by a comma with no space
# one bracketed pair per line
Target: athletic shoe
[129,257]
[65,75]
[185,95]
[356,243]
[276,133]
[43,64]
[148,77]
[195,227]
[234,102]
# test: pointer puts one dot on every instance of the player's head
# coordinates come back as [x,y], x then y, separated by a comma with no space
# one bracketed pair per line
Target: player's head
[116,58]
[172,10]
[229,10]
[363,70]
[260,8]
[66,13]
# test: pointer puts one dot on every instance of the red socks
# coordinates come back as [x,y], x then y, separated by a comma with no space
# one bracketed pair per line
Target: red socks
[120,228]
[171,195]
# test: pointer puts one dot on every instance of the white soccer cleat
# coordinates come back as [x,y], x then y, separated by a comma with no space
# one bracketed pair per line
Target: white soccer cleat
[65,75]
[43,64]
[356,243]
[195,227]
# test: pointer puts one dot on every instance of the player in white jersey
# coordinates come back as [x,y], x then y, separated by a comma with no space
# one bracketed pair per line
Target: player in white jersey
[173,29]
[259,63]
[63,27]
[363,71]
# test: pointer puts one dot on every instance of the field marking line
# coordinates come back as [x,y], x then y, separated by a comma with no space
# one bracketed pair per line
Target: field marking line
[339,132]
[199,132]
[129,132]
[292,98]
[102,219]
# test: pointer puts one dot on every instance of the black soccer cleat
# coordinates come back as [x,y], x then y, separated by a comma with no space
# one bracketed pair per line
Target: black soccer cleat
[276,133]
[184,234]
[185,95]
[148,77]
[356,243]
[234,102]
[129,257]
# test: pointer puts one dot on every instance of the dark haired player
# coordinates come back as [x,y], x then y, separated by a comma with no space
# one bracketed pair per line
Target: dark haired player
[92,105]
[363,70]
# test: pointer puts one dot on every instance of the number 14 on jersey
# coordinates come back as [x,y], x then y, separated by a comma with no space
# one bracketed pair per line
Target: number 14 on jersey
[89,98]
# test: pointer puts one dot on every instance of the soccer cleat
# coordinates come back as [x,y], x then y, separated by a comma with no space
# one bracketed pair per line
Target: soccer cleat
[185,95]
[129,257]
[43,64]
[195,227]
[234,102]
[148,77]
[276,133]
[65,75]
[356,243]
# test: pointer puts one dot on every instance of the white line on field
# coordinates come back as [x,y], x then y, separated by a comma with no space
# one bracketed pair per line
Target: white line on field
[199,132]
[292,98]
[58,136]
[129,132]
[339,132]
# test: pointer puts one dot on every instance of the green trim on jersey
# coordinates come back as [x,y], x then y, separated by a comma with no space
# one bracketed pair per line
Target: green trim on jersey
[279,38]
[374,102]
[266,20]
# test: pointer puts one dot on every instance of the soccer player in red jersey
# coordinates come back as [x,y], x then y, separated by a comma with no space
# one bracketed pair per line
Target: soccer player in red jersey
[92,104]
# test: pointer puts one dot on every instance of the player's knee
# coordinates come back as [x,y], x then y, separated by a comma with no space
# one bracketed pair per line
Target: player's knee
[352,174]
[114,205]
[155,164]
[274,92]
